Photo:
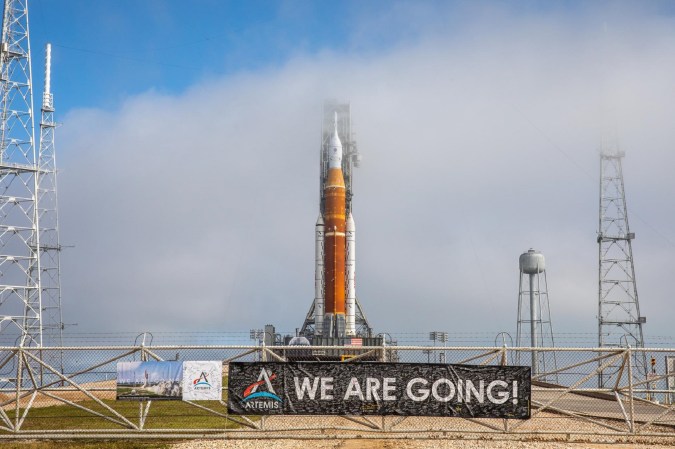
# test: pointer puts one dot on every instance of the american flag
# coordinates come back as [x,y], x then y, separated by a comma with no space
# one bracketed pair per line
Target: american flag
[356,342]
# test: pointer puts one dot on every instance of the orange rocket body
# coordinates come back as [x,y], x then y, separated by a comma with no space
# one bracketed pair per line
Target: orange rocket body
[334,243]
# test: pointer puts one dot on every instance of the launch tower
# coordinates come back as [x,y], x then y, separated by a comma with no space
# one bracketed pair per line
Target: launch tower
[20,293]
[336,314]
[30,294]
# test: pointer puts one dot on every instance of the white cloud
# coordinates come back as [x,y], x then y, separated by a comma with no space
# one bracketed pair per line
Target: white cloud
[196,211]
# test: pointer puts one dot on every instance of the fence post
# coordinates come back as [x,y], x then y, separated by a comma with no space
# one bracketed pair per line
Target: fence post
[384,348]
[504,362]
[19,381]
[630,389]
[144,356]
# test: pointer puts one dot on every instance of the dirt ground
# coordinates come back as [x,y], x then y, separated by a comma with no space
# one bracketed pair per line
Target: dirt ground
[74,396]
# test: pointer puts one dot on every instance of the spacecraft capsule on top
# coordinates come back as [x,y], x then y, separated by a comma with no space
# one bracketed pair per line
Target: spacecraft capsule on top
[335,150]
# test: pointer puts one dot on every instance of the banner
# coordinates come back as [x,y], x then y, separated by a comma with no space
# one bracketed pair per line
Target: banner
[405,389]
[170,380]
[149,380]
[202,381]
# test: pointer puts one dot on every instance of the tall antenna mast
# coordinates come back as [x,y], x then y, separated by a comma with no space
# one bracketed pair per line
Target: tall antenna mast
[619,319]
[50,247]
[20,294]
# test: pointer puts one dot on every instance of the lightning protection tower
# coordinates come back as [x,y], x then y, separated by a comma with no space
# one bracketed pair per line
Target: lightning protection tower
[20,294]
[534,313]
[47,204]
[619,319]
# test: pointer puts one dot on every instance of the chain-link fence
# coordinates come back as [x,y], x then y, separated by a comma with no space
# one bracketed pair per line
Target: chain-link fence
[575,391]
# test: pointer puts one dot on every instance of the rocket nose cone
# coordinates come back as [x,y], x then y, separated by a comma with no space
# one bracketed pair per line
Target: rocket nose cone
[335,138]
[319,221]
[351,226]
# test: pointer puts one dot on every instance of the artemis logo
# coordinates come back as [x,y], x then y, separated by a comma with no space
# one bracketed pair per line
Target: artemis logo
[254,399]
[202,382]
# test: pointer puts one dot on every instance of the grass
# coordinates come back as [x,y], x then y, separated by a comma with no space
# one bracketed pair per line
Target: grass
[163,415]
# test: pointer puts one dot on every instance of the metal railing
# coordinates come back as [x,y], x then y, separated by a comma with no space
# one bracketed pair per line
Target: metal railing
[40,401]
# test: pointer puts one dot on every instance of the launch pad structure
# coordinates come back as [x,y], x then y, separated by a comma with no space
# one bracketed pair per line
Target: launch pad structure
[336,138]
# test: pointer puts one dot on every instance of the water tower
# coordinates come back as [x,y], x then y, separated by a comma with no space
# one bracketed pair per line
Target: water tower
[534,315]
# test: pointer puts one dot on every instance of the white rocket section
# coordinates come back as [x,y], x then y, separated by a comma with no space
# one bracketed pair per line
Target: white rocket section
[350,272]
[335,149]
[318,277]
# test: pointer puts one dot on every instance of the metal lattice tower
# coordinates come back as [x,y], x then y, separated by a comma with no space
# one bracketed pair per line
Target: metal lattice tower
[20,295]
[50,246]
[534,328]
[619,319]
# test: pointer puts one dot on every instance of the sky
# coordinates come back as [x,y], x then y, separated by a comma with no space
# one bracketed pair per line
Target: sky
[189,145]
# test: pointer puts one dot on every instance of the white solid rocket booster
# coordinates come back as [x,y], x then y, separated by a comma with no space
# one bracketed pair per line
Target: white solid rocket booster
[350,269]
[318,277]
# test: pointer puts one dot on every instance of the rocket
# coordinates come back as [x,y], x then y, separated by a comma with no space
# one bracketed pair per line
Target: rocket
[335,251]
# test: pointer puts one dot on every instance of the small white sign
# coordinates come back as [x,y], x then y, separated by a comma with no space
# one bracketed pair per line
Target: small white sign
[202,381]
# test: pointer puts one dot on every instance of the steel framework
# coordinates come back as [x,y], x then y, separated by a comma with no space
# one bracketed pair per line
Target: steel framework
[619,319]
[20,293]
[47,205]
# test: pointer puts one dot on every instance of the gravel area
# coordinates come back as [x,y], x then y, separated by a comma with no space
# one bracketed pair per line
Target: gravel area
[462,438]
[399,444]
